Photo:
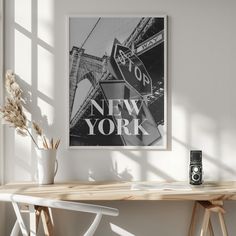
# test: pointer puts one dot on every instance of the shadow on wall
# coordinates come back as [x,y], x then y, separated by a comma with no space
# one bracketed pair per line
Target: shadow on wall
[38,59]
[137,218]
[33,50]
[210,159]
[31,56]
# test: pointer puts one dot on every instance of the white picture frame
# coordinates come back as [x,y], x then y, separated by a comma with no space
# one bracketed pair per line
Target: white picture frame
[88,52]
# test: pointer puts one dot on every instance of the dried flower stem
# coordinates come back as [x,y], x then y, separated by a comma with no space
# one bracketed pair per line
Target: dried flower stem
[45,142]
[57,143]
[51,142]
[32,138]
[13,113]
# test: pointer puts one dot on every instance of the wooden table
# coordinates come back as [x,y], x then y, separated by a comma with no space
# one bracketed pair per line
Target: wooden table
[209,195]
[86,191]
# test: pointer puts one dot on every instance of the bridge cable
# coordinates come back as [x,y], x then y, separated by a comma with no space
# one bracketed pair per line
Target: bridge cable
[90,32]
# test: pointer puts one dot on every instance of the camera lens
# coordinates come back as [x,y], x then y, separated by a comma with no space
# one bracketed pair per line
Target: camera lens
[196,177]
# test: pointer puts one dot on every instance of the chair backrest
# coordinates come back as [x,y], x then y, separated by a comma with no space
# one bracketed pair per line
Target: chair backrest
[54,203]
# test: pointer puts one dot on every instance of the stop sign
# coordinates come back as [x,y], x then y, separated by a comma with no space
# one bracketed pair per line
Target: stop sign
[131,69]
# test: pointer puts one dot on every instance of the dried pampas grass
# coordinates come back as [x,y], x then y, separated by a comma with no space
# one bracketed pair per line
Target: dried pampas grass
[11,86]
[13,112]
[37,128]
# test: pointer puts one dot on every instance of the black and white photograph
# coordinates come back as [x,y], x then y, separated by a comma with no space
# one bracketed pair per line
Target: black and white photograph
[117,82]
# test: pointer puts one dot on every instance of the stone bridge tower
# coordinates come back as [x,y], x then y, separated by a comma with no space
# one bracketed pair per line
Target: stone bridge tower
[84,66]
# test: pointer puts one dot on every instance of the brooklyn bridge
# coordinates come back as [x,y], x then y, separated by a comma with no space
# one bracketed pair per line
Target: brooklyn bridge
[145,41]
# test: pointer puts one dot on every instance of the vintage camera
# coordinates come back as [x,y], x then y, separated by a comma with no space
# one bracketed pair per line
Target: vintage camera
[195,168]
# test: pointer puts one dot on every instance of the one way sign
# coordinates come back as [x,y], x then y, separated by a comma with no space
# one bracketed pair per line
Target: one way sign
[129,67]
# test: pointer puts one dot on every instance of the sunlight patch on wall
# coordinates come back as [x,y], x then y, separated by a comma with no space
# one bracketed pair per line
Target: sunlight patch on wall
[124,165]
[157,163]
[179,128]
[22,57]
[46,72]
[227,155]
[228,138]
[120,231]
[205,134]
[23,13]
[46,21]
[47,112]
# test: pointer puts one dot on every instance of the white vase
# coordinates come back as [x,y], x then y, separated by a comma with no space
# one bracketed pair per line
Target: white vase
[47,165]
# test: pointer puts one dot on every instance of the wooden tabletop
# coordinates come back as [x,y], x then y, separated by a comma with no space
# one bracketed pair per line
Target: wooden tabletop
[86,191]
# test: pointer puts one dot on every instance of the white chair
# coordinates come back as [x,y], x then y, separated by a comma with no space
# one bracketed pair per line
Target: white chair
[42,206]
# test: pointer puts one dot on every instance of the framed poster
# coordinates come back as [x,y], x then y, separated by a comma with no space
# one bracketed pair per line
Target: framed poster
[117,74]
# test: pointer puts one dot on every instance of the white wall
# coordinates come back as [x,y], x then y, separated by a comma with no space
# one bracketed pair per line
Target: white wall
[2,206]
[202,101]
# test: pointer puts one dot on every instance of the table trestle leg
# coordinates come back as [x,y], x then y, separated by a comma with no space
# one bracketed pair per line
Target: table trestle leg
[192,223]
[222,224]
[47,222]
[205,223]
[210,228]
[209,207]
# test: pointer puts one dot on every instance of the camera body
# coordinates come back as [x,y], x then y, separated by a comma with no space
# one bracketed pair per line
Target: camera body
[195,168]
